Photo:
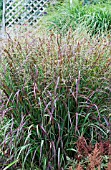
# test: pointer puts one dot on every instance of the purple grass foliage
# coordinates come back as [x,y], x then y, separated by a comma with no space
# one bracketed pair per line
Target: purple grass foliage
[55,89]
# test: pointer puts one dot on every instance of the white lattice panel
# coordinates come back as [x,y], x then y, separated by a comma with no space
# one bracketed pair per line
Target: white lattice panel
[19,12]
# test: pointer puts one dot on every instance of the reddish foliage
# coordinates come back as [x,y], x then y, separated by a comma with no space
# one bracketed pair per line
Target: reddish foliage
[83,148]
[95,159]
[79,167]
[109,153]
[104,147]
[70,168]
[109,166]
[94,154]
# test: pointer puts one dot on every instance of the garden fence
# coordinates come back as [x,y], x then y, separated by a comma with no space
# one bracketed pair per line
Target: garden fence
[19,12]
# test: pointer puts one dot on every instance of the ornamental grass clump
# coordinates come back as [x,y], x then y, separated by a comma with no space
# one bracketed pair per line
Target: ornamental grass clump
[96,17]
[55,90]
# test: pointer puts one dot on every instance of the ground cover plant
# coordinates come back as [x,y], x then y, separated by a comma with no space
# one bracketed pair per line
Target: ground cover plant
[57,91]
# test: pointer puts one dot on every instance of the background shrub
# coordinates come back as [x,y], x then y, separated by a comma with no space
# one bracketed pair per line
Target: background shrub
[96,18]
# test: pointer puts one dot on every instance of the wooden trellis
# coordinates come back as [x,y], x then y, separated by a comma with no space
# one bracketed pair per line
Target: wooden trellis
[19,12]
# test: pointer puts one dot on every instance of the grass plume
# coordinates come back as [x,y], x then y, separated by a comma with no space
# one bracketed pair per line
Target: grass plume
[56,89]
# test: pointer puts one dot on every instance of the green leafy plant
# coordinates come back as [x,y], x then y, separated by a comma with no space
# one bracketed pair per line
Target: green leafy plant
[95,18]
